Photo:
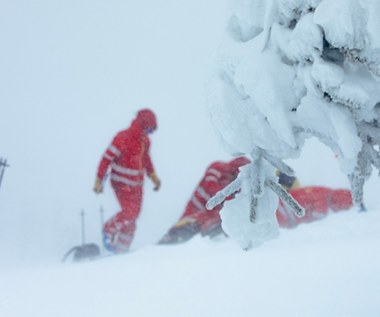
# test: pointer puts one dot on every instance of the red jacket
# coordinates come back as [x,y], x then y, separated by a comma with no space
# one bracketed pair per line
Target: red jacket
[213,180]
[217,176]
[128,155]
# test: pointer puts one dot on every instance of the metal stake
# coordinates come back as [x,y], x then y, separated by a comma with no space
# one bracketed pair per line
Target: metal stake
[83,227]
[3,165]
[101,211]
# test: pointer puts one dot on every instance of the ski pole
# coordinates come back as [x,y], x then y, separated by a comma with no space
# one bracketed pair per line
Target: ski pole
[101,211]
[3,165]
[83,227]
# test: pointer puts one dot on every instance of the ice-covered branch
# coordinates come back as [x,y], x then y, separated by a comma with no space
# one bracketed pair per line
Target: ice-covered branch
[371,130]
[254,204]
[373,156]
[279,164]
[227,191]
[319,135]
[299,211]
[256,173]
[371,62]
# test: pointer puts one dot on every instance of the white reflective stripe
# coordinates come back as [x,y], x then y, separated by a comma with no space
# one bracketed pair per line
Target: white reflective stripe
[197,203]
[124,180]
[214,172]
[123,241]
[114,150]
[127,171]
[106,156]
[211,179]
[203,193]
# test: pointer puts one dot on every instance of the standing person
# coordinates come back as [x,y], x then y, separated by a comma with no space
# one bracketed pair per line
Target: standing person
[129,159]
[196,218]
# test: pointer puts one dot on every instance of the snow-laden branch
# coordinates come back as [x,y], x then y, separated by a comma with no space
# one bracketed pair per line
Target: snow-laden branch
[299,211]
[371,130]
[221,195]
[279,164]
[256,179]
[370,61]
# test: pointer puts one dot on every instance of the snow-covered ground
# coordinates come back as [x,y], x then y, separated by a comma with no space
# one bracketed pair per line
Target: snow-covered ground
[328,268]
[72,73]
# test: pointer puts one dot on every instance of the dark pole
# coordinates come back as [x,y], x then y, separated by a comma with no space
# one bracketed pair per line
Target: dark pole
[83,233]
[101,210]
[3,165]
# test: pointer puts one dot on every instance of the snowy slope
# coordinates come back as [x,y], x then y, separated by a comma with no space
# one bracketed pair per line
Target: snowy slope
[329,268]
[72,73]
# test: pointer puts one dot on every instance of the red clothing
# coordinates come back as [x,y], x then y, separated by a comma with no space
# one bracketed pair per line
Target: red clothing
[317,202]
[196,217]
[218,175]
[128,157]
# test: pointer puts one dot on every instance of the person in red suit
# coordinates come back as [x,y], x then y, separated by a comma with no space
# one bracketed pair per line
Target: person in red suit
[128,159]
[196,218]
[316,200]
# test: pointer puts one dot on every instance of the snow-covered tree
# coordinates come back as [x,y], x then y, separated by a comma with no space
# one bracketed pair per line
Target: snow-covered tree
[289,70]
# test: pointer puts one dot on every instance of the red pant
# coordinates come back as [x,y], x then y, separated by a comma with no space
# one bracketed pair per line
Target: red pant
[206,219]
[317,202]
[120,228]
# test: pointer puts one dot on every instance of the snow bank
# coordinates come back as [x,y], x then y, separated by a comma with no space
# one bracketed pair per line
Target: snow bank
[326,268]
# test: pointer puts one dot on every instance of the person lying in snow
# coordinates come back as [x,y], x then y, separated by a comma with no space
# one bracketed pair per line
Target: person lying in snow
[196,218]
[316,200]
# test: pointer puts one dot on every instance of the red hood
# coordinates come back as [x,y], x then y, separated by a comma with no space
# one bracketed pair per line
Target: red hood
[147,119]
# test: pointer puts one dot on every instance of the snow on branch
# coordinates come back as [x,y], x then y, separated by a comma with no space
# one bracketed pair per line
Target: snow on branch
[303,71]
[370,60]
[368,156]
[279,164]
[227,191]
[299,211]
[258,181]
[370,130]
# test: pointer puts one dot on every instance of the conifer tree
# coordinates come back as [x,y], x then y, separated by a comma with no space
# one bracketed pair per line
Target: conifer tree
[289,70]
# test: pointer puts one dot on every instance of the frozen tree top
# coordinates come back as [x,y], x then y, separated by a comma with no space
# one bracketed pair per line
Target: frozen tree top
[291,69]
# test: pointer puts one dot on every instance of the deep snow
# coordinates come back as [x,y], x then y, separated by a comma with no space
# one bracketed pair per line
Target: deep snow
[328,268]
[73,73]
